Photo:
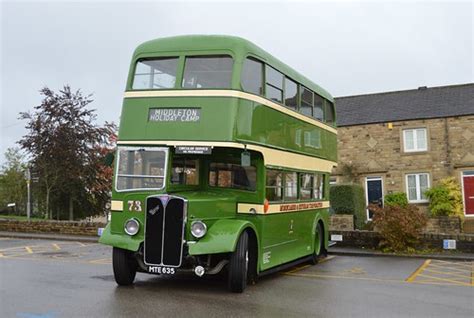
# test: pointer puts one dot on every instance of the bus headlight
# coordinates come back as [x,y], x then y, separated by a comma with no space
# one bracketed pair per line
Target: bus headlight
[131,227]
[198,229]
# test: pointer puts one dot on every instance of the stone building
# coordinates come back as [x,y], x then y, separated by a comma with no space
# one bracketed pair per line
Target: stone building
[406,141]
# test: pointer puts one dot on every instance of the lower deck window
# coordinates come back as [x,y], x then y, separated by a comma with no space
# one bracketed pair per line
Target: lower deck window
[306,186]
[291,186]
[185,171]
[274,185]
[228,175]
[140,168]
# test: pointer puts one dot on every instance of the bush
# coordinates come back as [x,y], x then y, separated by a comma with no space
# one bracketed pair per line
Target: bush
[446,198]
[399,227]
[396,199]
[349,199]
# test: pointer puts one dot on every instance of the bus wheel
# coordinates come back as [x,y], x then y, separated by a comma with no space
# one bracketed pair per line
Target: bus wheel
[125,266]
[238,265]
[318,244]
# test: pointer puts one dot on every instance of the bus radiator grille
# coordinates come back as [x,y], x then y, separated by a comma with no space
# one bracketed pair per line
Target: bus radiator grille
[164,231]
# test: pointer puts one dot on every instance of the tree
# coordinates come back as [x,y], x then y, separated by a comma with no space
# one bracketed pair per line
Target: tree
[13,181]
[67,150]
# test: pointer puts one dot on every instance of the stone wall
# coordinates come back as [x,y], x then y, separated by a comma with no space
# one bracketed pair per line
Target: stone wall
[371,239]
[377,150]
[341,222]
[443,225]
[57,227]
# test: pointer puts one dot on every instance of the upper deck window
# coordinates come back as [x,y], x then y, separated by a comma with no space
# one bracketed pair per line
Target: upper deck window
[274,86]
[207,72]
[252,76]
[306,106]
[291,94]
[155,73]
[318,112]
[329,113]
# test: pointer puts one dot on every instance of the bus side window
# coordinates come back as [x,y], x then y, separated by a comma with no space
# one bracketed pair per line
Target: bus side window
[306,107]
[274,185]
[319,186]
[252,76]
[291,186]
[274,86]
[291,94]
[318,107]
[306,186]
[329,112]
[228,175]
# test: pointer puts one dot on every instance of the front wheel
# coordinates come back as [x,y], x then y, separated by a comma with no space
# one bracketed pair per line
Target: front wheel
[125,266]
[318,244]
[239,264]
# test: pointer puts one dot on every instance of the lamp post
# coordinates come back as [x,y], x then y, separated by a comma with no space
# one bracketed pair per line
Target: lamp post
[28,203]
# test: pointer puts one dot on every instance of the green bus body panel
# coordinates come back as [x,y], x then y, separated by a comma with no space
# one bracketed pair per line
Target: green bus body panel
[237,47]
[126,242]
[226,119]
[221,237]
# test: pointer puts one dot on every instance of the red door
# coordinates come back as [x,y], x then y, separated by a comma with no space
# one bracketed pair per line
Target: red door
[469,194]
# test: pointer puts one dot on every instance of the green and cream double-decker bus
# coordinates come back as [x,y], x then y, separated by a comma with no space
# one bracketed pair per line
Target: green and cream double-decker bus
[223,163]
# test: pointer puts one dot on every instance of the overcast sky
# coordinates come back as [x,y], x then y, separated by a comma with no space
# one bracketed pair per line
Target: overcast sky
[346,47]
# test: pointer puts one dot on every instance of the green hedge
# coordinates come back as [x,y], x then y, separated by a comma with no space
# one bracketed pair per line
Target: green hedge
[349,199]
[396,199]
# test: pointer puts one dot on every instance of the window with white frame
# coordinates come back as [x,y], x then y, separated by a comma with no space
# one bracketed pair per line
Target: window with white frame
[417,184]
[415,140]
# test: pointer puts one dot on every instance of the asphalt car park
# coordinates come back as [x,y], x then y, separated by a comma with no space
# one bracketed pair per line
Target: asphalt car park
[41,278]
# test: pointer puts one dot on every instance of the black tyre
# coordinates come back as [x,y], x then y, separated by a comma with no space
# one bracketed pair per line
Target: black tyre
[238,265]
[318,244]
[125,266]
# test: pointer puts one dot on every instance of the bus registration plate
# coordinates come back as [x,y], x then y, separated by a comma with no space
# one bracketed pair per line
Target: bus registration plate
[161,270]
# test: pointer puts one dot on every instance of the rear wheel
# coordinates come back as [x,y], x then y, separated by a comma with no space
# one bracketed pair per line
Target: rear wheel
[125,266]
[238,265]
[318,243]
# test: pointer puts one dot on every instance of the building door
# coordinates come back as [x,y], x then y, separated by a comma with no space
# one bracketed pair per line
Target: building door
[468,192]
[374,193]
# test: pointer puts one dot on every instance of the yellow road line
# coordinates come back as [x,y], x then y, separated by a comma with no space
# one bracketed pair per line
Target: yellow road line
[1,255]
[28,249]
[447,273]
[56,246]
[455,282]
[17,247]
[458,270]
[454,264]
[344,277]
[418,271]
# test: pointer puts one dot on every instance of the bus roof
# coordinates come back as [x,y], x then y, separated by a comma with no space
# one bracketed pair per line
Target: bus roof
[239,46]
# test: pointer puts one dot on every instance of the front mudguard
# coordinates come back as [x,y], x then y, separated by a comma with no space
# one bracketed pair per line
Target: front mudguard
[221,237]
[123,241]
